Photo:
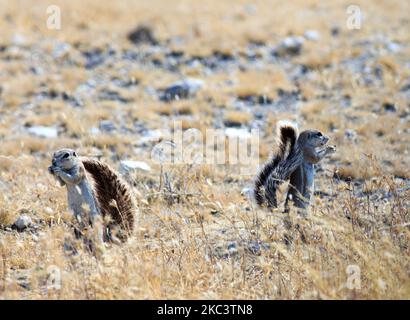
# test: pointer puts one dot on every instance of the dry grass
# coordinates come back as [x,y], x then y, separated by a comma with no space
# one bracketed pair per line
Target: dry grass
[180,246]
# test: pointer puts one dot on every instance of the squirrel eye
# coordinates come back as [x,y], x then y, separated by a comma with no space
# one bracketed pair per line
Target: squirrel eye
[66,155]
[319,134]
[74,154]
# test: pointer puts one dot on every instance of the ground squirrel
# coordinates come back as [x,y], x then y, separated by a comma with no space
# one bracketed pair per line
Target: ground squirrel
[94,187]
[294,161]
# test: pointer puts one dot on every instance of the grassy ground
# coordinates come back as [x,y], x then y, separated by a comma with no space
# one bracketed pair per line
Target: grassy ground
[197,236]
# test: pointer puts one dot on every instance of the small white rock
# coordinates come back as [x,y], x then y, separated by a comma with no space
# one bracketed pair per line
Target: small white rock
[240,133]
[131,165]
[23,222]
[248,192]
[312,35]
[151,136]
[94,131]
[292,42]
[19,39]
[393,47]
[61,49]
[191,84]
[44,132]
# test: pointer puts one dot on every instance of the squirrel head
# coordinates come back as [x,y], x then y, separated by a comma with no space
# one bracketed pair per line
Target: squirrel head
[312,139]
[65,159]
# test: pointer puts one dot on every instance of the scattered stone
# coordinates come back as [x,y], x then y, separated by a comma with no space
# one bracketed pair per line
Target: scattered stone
[346,101]
[405,87]
[43,131]
[216,61]
[94,58]
[287,100]
[248,192]
[95,131]
[237,133]
[111,95]
[127,166]
[54,94]
[61,49]
[150,136]
[389,107]
[142,34]
[254,248]
[23,222]
[312,35]
[250,247]
[107,126]
[50,94]
[351,135]
[23,281]
[69,248]
[393,47]
[3,185]
[182,89]
[335,31]
[18,40]
[232,249]
[175,54]
[222,56]
[290,46]
[125,83]
[253,100]
[72,100]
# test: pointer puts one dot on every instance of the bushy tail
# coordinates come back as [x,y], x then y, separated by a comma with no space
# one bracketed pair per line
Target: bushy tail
[113,196]
[280,167]
[288,134]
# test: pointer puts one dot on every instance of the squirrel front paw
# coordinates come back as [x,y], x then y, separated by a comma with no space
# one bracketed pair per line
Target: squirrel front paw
[55,170]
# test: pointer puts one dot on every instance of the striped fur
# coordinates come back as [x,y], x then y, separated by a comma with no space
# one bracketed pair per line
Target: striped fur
[280,167]
[113,196]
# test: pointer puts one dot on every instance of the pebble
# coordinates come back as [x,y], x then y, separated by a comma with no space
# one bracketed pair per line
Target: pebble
[248,192]
[290,46]
[19,40]
[237,133]
[312,35]
[43,131]
[23,222]
[107,126]
[150,136]
[389,107]
[232,248]
[182,89]
[142,34]
[127,166]
[351,135]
